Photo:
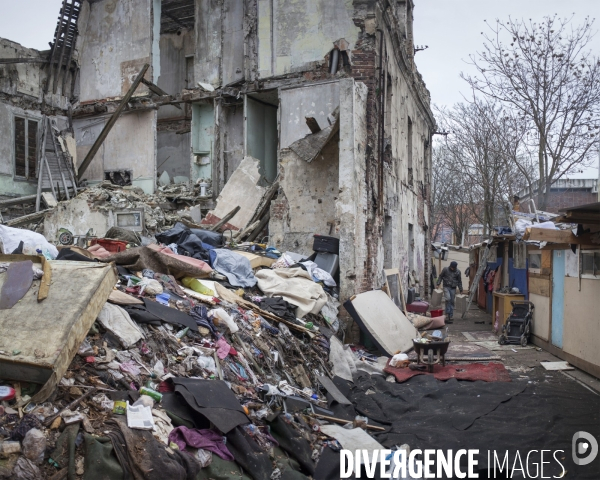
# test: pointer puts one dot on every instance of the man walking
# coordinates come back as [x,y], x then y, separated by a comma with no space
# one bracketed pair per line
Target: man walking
[452,279]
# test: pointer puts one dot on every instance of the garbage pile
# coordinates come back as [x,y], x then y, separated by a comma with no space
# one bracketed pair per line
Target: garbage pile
[194,364]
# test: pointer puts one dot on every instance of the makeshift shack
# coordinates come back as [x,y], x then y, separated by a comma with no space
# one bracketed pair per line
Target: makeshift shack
[564,282]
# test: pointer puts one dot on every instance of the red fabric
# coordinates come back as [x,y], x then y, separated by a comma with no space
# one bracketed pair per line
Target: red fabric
[418,307]
[189,260]
[492,372]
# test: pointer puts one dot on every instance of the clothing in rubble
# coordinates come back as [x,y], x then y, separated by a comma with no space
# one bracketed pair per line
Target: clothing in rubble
[205,439]
[153,461]
[278,306]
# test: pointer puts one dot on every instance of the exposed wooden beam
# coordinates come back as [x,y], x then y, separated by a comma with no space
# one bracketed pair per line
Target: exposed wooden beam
[157,90]
[556,236]
[22,60]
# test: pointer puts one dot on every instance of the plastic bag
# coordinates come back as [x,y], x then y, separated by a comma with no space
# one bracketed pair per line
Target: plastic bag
[399,360]
[34,445]
[151,287]
[208,363]
[25,469]
[219,315]
[204,457]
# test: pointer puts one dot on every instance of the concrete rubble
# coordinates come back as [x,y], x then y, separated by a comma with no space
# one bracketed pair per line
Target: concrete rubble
[178,355]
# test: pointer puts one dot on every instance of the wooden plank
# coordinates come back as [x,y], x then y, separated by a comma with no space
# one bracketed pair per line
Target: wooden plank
[224,220]
[312,123]
[22,60]
[546,262]
[17,200]
[556,236]
[46,280]
[539,286]
[32,217]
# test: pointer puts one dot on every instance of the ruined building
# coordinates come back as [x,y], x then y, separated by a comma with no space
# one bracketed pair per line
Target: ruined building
[309,114]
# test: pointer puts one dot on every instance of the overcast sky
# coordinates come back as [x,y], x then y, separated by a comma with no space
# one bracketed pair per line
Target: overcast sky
[451,28]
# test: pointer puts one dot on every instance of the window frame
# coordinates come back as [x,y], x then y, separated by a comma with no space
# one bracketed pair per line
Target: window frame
[533,269]
[589,275]
[30,176]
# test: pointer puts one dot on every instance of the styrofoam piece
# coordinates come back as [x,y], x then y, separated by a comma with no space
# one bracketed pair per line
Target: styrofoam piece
[555,366]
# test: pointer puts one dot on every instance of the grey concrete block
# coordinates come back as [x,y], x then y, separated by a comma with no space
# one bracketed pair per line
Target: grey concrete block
[436,298]
[460,303]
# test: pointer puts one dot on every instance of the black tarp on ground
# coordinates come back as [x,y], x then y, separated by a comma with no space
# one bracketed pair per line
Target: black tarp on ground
[293,443]
[212,399]
[428,414]
[155,313]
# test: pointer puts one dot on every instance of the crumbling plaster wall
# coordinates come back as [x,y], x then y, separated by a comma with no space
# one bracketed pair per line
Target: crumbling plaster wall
[20,78]
[116,42]
[130,145]
[297,103]
[351,206]
[306,203]
[293,35]
[404,202]
[174,153]
[220,52]
[174,51]
[78,217]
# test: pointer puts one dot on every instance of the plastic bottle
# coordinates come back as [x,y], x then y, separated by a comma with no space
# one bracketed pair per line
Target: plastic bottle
[6,393]
[151,393]
[197,286]
[182,333]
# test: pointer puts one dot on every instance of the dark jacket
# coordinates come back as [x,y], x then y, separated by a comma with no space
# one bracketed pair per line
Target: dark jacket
[451,279]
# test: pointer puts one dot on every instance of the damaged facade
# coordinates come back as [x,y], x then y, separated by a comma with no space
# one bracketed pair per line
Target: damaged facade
[224,105]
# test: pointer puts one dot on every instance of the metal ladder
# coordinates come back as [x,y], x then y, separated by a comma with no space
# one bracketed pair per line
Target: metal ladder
[475,284]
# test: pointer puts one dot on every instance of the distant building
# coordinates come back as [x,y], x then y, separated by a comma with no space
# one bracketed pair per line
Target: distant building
[563,194]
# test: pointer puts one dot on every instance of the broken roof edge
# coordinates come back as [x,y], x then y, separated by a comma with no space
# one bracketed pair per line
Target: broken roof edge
[312,144]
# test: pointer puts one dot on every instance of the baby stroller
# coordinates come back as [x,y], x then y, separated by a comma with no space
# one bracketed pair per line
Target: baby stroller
[518,324]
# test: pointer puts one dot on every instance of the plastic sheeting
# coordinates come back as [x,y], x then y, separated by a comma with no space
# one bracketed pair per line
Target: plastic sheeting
[11,237]
[118,321]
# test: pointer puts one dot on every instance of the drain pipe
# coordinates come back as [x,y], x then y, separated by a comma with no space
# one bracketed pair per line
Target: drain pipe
[335,60]
[381,125]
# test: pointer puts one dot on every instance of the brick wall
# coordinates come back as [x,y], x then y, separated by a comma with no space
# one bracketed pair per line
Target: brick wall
[565,198]
[364,69]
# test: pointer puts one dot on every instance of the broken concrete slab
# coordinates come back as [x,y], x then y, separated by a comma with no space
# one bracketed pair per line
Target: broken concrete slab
[378,316]
[243,190]
[39,340]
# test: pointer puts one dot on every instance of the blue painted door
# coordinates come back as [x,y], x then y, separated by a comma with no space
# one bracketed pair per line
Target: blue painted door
[558,297]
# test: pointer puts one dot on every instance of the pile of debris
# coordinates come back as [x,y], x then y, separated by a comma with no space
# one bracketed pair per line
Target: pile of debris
[160,209]
[222,363]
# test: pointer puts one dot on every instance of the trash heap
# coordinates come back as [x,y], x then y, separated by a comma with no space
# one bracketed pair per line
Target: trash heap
[197,364]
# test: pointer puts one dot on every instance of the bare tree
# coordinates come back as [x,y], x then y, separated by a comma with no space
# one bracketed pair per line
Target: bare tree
[544,74]
[482,151]
[450,199]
